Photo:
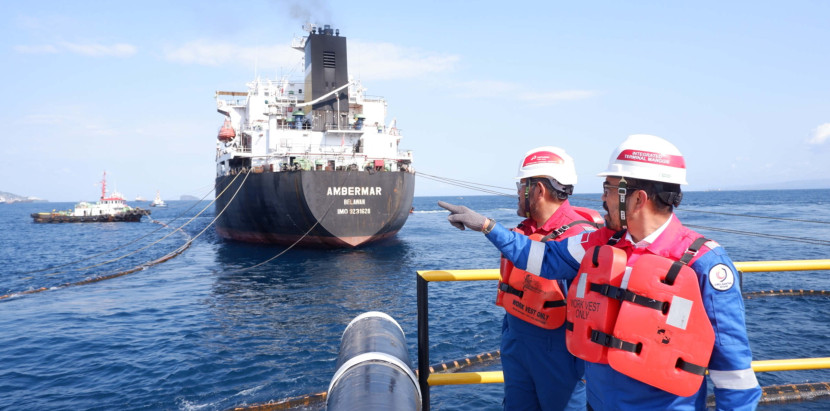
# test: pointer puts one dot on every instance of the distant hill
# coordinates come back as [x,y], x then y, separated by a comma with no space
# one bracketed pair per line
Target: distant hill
[188,198]
[14,198]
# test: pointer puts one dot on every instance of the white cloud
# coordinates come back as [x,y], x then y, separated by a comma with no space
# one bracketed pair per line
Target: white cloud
[207,53]
[91,50]
[820,134]
[518,92]
[99,50]
[389,61]
[371,60]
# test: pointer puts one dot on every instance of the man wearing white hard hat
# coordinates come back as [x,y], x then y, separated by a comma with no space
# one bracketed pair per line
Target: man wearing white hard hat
[539,372]
[653,305]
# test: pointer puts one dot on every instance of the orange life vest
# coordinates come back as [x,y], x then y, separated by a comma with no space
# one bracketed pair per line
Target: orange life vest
[589,310]
[530,297]
[660,333]
[593,216]
[534,299]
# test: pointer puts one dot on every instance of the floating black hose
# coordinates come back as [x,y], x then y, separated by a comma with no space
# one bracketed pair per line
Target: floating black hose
[286,404]
[787,393]
[456,365]
[139,267]
[787,293]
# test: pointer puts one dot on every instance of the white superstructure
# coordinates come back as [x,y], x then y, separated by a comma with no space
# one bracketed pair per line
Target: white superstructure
[273,126]
[113,205]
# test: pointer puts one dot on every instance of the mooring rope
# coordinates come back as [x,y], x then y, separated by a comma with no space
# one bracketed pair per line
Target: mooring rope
[160,239]
[139,267]
[815,241]
[482,188]
[466,184]
[279,254]
[145,265]
[122,245]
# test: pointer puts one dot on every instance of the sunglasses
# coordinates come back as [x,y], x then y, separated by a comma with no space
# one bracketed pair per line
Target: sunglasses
[606,189]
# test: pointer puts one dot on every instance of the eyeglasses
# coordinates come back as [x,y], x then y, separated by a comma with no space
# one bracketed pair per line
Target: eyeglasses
[520,185]
[606,189]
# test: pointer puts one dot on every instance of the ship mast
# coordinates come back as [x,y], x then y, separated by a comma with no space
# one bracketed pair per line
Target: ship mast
[104,185]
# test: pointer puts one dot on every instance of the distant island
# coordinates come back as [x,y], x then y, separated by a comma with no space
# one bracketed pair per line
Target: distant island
[188,198]
[9,198]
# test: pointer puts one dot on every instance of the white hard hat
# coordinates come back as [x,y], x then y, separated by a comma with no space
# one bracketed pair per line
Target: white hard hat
[647,157]
[548,161]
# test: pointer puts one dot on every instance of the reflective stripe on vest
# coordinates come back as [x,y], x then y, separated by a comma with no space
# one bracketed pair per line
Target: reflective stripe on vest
[532,298]
[589,310]
[526,295]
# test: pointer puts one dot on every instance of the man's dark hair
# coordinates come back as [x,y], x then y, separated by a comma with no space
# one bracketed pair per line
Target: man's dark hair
[665,196]
[554,192]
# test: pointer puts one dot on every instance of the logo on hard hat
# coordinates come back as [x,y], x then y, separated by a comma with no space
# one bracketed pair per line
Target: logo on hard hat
[652,158]
[541,157]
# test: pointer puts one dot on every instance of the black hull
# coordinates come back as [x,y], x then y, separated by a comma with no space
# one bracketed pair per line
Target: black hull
[332,209]
[132,217]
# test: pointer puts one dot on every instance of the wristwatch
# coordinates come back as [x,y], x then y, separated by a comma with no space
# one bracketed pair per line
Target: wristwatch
[488,226]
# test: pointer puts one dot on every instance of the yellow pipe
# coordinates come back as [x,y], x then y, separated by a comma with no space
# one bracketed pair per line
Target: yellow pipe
[745,266]
[485,377]
[491,377]
[791,364]
[460,275]
[792,265]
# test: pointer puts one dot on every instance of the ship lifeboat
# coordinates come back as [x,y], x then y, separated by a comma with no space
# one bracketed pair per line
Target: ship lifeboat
[226,133]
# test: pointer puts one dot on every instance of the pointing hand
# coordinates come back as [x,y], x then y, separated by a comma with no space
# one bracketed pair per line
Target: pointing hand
[461,217]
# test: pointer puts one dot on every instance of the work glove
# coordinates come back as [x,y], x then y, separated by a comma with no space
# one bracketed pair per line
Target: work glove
[461,217]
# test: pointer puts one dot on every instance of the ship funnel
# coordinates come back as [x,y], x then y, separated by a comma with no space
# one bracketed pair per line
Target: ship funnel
[326,68]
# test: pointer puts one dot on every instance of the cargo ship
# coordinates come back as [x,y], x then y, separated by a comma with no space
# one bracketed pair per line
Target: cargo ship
[310,161]
[107,209]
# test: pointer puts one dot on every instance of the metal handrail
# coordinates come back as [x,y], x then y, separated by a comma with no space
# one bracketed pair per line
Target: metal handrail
[743,266]
[426,380]
[494,377]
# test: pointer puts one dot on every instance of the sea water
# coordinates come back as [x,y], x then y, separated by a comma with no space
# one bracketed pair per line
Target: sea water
[214,328]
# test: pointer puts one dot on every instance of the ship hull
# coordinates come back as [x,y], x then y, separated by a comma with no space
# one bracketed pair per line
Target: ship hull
[129,217]
[330,209]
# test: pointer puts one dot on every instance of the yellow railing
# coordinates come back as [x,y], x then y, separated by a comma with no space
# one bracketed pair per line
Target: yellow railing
[488,377]
[793,265]
[491,377]
[744,266]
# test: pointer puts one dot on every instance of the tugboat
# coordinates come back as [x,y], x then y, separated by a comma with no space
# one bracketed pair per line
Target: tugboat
[108,209]
[158,202]
[311,162]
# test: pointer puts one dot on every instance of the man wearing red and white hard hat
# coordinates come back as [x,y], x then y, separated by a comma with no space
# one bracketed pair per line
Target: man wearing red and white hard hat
[653,306]
[539,372]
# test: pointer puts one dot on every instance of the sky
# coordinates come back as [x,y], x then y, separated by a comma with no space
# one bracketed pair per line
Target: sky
[741,88]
